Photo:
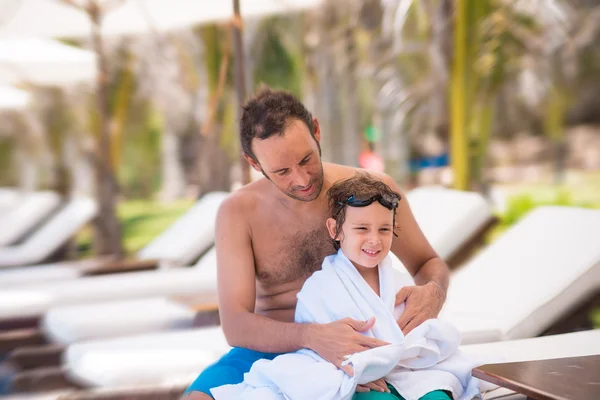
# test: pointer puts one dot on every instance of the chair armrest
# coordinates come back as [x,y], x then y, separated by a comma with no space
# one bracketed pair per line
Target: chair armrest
[120,266]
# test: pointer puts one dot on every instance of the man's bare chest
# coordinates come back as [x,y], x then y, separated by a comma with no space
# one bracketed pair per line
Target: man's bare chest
[291,253]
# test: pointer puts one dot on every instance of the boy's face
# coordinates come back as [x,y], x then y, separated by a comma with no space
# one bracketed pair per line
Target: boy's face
[366,236]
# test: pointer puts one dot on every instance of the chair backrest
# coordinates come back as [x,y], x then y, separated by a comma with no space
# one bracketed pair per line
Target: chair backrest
[53,234]
[536,271]
[29,212]
[8,199]
[190,235]
[447,217]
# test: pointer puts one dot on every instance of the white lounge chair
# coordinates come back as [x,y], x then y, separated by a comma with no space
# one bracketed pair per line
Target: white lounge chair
[34,301]
[560,241]
[30,211]
[179,245]
[111,369]
[50,237]
[118,317]
[178,357]
[576,344]
[449,218]
[545,265]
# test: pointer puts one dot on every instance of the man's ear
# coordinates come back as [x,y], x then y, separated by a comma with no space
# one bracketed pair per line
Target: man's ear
[317,130]
[253,163]
[331,227]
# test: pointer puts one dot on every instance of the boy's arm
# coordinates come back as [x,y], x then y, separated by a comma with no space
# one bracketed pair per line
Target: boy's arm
[237,296]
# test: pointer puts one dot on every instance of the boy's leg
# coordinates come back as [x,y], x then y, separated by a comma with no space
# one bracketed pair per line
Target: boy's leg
[394,395]
[373,395]
[437,395]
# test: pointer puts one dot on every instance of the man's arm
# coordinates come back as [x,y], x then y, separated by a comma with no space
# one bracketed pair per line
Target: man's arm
[237,296]
[237,290]
[430,272]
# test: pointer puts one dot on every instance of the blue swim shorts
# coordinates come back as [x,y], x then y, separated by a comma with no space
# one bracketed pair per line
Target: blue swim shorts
[229,370]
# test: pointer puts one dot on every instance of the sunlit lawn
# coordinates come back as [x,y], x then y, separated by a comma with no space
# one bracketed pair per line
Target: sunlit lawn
[141,221]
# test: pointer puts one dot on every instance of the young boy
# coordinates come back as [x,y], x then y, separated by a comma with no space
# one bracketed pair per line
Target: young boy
[362,228]
[359,282]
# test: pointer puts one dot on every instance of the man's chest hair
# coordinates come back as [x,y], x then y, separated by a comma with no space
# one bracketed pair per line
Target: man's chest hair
[296,256]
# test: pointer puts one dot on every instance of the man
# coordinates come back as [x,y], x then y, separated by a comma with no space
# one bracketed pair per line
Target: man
[271,236]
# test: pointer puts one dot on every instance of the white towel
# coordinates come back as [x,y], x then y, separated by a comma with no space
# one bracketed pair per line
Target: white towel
[425,360]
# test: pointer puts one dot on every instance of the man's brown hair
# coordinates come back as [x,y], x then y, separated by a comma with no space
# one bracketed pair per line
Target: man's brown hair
[362,186]
[269,113]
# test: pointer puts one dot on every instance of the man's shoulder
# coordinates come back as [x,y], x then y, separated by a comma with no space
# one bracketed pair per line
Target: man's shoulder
[244,199]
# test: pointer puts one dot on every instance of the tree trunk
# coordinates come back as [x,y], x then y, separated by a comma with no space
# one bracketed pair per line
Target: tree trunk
[240,78]
[351,123]
[107,228]
[330,113]
[215,166]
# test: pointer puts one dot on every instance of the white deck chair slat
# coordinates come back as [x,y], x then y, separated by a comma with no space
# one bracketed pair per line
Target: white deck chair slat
[36,299]
[537,270]
[178,245]
[448,217]
[29,212]
[56,232]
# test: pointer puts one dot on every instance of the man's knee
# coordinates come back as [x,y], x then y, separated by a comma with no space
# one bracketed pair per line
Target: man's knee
[196,396]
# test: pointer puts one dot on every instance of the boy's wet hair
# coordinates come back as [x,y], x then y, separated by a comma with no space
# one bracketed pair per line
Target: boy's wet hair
[361,186]
[269,113]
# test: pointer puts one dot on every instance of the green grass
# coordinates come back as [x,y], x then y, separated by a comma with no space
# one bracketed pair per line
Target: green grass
[595,316]
[141,221]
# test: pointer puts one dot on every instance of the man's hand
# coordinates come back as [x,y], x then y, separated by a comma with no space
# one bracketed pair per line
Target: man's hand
[379,386]
[336,340]
[422,303]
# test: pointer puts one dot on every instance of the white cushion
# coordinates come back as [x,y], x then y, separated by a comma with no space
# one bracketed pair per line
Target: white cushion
[30,211]
[576,344]
[190,235]
[11,277]
[71,324]
[60,228]
[447,217]
[8,199]
[183,281]
[115,318]
[148,359]
[517,287]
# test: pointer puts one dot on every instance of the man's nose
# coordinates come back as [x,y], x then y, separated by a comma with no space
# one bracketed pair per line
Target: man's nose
[302,178]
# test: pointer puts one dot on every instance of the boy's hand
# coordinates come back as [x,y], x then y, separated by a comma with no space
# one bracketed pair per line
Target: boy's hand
[422,303]
[336,340]
[379,386]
